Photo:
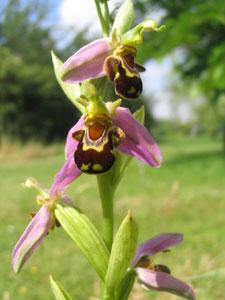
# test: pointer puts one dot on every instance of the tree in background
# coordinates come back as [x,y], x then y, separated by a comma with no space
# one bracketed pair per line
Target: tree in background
[32,104]
[197,28]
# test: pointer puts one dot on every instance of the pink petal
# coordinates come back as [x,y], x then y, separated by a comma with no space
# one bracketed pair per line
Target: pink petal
[68,172]
[157,244]
[164,282]
[87,63]
[31,237]
[138,142]
[71,143]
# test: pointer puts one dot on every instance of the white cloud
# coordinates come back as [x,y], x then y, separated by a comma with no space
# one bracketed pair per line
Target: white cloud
[155,81]
[79,15]
[82,14]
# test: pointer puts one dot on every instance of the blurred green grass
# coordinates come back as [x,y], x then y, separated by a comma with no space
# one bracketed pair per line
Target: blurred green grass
[186,195]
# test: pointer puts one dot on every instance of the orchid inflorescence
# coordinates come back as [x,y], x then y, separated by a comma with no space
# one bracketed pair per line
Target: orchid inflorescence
[102,142]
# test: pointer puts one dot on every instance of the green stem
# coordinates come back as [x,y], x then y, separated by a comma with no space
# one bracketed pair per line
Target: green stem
[106,195]
[108,297]
[103,22]
[106,14]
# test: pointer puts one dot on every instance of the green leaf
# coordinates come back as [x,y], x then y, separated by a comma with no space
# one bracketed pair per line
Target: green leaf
[124,18]
[58,291]
[126,285]
[123,250]
[85,235]
[72,91]
[134,37]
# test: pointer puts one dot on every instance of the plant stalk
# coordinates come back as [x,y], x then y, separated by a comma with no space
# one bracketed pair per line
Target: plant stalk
[106,14]
[106,195]
[103,17]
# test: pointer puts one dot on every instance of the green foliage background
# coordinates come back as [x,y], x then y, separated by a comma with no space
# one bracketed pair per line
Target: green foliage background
[32,104]
[185,195]
[196,28]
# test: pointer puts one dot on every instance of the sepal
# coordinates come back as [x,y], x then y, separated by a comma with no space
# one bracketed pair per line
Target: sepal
[161,281]
[159,243]
[138,142]
[33,235]
[87,62]
[122,161]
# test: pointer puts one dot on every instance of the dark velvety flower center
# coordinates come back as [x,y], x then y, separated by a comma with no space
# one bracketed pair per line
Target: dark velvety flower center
[95,152]
[146,263]
[121,69]
[162,268]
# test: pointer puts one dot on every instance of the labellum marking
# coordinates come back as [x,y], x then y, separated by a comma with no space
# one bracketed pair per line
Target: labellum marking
[85,167]
[111,67]
[131,91]
[95,152]
[146,263]
[162,268]
[128,87]
[121,69]
[97,167]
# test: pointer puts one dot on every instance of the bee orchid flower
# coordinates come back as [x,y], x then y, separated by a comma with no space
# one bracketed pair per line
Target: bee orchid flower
[92,143]
[113,57]
[158,277]
[42,222]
